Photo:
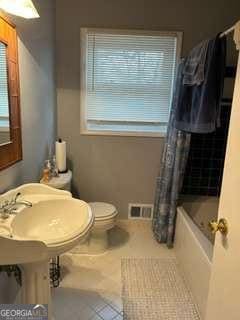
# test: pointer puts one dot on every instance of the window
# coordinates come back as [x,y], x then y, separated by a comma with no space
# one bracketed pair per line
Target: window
[127,81]
[4,103]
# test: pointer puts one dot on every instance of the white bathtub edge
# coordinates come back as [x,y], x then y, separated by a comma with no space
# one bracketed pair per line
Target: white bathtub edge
[194,252]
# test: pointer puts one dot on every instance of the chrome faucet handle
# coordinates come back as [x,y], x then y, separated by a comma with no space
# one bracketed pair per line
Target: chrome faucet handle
[4,214]
[16,196]
[4,204]
[25,202]
[22,201]
[8,207]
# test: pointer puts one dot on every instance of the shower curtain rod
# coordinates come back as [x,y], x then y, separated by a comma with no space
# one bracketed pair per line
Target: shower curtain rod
[227,31]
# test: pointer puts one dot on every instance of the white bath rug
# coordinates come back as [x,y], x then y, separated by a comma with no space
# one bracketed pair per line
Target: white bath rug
[154,289]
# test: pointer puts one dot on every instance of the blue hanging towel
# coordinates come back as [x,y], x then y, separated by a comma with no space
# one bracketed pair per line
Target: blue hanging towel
[193,72]
[198,108]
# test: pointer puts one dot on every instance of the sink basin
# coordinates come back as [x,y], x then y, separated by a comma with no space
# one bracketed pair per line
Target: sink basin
[55,219]
[5,230]
[58,223]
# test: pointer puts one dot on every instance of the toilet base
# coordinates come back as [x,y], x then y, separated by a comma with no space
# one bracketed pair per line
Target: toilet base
[96,243]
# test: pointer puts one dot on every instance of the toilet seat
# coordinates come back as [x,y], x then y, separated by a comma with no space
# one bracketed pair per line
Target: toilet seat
[103,211]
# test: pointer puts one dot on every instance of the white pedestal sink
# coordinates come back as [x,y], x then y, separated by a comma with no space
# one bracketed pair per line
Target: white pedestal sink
[54,224]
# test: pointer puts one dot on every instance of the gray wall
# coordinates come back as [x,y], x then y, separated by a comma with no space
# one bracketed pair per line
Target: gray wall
[37,89]
[121,169]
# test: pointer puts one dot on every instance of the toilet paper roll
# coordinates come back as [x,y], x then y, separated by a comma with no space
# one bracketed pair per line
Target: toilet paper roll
[61,155]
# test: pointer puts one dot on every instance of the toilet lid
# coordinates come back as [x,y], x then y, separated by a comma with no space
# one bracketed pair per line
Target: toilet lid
[102,210]
[59,182]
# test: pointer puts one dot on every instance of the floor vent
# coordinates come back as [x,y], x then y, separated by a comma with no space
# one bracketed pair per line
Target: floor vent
[140,211]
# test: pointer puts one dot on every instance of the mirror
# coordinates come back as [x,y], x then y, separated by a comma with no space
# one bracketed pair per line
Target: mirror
[5,136]
[10,118]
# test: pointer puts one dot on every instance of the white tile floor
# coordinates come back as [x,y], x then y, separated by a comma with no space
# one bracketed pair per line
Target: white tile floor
[91,285]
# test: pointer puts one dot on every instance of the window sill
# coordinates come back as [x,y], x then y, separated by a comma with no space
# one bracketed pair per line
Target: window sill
[123,134]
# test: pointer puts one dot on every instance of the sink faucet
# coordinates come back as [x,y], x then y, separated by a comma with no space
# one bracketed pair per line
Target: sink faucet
[8,207]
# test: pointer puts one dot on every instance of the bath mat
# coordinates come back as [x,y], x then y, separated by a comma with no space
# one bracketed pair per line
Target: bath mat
[154,289]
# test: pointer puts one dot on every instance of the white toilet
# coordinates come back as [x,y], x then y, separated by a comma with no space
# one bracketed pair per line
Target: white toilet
[105,216]
[97,242]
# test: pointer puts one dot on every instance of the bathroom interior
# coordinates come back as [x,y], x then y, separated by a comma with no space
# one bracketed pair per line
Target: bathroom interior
[118,176]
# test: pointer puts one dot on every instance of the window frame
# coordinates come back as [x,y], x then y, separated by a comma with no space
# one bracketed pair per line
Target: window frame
[83,77]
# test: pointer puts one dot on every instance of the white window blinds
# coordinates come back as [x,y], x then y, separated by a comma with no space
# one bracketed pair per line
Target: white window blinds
[128,81]
[4,108]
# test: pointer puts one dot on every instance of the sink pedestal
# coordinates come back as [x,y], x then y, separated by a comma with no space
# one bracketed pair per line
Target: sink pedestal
[36,284]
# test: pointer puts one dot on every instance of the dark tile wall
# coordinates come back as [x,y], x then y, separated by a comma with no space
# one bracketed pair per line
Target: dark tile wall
[204,169]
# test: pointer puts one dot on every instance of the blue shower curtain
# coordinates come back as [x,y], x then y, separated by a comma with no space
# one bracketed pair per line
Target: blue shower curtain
[169,181]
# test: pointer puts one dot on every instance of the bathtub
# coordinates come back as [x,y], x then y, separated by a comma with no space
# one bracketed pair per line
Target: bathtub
[194,244]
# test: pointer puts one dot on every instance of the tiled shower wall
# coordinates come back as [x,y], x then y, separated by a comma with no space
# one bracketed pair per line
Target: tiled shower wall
[204,171]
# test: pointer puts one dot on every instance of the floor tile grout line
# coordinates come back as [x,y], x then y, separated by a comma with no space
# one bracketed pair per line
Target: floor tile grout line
[118,313]
[117,310]
[112,305]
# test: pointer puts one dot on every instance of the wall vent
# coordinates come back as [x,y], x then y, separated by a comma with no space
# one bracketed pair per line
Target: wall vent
[140,211]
